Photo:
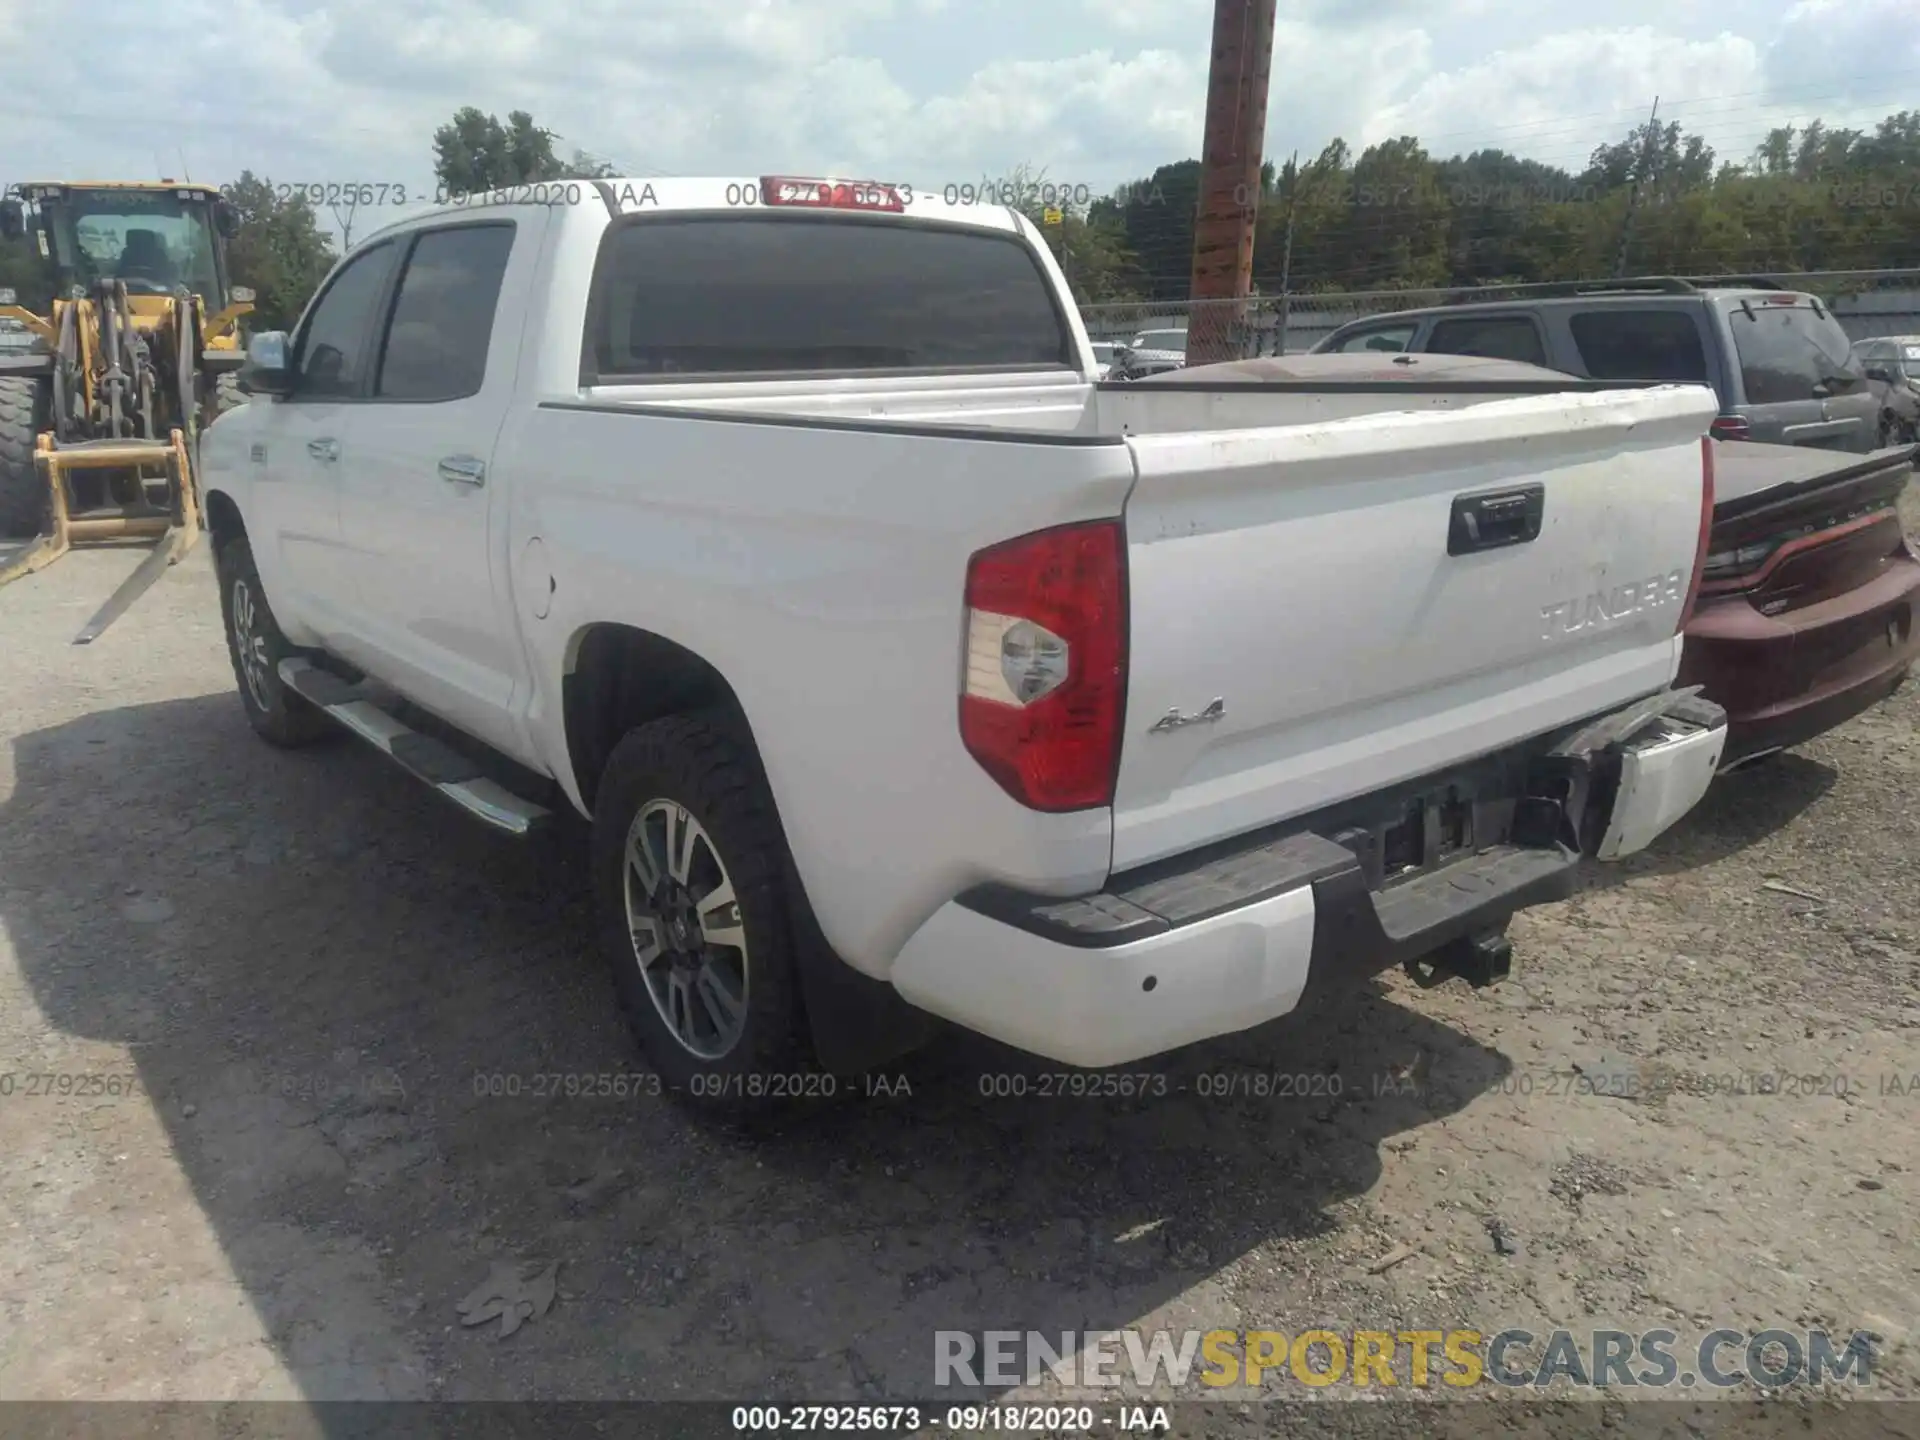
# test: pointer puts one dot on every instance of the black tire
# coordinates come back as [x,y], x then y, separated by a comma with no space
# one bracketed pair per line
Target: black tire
[277,715]
[690,762]
[26,404]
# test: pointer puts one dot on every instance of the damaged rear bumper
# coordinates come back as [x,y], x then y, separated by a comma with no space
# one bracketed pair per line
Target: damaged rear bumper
[1231,936]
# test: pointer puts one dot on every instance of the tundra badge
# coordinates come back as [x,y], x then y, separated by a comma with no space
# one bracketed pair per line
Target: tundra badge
[1569,617]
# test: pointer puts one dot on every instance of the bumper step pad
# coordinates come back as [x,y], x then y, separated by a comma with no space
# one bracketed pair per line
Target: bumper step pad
[1356,928]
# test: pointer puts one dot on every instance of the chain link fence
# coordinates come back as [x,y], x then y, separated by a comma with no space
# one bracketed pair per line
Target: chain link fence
[1867,303]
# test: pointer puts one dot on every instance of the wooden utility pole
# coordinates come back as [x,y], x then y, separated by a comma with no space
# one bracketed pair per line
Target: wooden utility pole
[1229,176]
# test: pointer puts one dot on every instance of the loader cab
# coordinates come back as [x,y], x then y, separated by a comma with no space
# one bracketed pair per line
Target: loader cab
[155,238]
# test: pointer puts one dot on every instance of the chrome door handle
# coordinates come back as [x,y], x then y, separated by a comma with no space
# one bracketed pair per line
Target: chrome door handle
[328,450]
[463,470]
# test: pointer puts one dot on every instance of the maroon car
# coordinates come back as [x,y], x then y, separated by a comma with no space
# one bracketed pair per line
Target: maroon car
[1806,612]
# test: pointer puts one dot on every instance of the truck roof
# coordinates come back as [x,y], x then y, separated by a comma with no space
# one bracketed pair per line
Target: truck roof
[639,194]
[1619,292]
[1609,297]
[195,185]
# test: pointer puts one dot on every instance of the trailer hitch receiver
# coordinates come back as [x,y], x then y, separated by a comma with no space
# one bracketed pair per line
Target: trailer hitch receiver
[1481,960]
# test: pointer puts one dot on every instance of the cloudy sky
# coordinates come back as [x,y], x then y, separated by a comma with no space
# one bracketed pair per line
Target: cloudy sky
[929,91]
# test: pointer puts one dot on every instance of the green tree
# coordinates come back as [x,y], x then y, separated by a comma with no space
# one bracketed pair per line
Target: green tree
[1156,216]
[1319,196]
[1087,238]
[587,167]
[1395,231]
[473,152]
[1501,225]
[1808,198]
[280,251]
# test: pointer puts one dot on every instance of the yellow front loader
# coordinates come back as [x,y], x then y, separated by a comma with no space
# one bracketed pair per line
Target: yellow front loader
[135,350]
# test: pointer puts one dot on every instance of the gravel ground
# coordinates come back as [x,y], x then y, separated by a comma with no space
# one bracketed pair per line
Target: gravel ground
[294,966]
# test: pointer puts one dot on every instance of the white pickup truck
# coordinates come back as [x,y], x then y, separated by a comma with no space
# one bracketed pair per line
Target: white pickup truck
[904,669]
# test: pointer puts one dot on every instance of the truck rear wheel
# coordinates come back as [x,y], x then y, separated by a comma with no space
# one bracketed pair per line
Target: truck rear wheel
[257,647]
[688,861]
[26,404]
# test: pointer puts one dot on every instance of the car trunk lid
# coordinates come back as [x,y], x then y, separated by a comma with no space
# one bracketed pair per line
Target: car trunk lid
[1794,528]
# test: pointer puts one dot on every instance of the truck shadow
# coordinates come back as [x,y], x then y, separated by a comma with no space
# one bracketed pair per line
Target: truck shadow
[341,997]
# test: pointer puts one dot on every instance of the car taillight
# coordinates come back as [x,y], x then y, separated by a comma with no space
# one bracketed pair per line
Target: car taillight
[1706,532]
[1731,564]
[1731,427]
[1044,693]
[830,194]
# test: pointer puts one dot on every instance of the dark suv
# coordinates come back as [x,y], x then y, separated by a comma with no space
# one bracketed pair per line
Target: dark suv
[1891,364]
[1778,360]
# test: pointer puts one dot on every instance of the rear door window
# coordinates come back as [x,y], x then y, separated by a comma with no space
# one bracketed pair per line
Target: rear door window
[1788,352]
[1494,337]
[1640,345]
[1387,339]
[742,295]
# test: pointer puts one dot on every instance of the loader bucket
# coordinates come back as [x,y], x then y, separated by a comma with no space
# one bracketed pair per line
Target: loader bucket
[174,529]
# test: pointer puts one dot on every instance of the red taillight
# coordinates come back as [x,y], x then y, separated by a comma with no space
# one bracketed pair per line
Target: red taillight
[1706,532]
[830,194]
[1045,688]
[1730,427]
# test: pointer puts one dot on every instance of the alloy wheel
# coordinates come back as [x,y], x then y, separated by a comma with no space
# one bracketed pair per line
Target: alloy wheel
[689,938]
[249,639]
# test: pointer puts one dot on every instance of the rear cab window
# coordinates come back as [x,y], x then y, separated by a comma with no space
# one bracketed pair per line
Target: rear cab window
[1789,351]
[684,297]
[1492,337]
[1626,344]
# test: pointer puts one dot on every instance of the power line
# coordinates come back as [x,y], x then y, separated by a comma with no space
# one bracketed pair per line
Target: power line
[1900,75]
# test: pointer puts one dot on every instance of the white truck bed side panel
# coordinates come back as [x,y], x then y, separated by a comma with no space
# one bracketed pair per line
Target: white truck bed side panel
[822,572]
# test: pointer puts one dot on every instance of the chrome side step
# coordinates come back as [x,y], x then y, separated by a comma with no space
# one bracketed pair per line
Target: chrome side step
[428,760]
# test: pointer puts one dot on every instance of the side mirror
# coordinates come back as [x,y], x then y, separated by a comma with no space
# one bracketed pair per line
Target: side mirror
[226,219]
[268,370]
[13,219]
[1878,372]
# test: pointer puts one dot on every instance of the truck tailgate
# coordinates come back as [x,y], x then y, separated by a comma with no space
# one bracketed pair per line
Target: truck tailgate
[1300,633]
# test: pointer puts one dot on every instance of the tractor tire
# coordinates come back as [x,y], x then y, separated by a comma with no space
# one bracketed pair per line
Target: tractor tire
[227,394]
[26,404]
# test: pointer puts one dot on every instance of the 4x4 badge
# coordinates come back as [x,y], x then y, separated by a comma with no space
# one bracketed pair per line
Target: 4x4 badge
[1174,720]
